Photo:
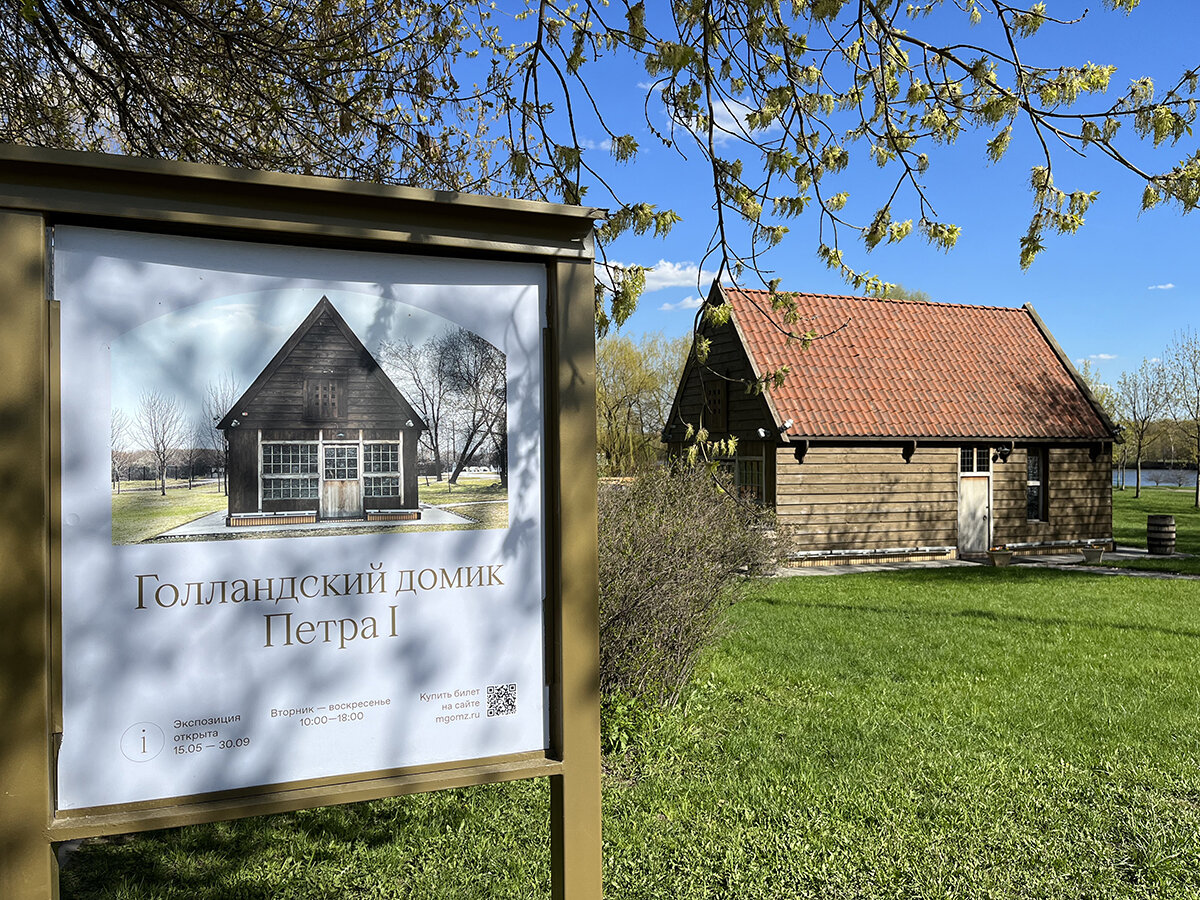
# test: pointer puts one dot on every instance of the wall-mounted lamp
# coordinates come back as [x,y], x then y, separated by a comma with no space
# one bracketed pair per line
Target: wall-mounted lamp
[764,433]
[1002,454]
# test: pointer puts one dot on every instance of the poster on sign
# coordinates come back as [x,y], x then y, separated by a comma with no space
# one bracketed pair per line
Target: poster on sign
[302,514]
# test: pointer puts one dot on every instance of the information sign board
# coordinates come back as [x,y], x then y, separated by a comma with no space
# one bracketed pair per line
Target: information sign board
[238,579]
[220,655]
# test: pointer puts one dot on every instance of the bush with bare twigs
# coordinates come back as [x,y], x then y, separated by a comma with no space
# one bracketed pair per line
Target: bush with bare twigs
[674,547]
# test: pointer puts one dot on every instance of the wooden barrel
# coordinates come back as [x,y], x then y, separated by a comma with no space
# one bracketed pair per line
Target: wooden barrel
[1160,535]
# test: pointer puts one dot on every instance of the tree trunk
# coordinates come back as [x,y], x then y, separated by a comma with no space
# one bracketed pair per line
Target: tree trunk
[467,452]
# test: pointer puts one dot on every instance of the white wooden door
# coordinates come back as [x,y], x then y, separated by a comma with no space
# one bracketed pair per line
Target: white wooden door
[974,516]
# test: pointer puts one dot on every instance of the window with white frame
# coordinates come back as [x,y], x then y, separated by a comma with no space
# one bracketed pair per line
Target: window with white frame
[974,459]
[381,470]
[289,471]
[341,463]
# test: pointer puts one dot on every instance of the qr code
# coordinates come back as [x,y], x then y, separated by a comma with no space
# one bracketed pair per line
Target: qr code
[502,700]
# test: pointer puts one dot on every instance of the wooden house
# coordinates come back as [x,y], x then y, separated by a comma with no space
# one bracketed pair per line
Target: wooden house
[906,429]
[322,433]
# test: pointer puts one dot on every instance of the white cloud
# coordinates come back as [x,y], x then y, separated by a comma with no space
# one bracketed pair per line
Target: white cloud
[1161,287]
[1103,356]
[730,116]
[687,303]
[667,274]
[729,119]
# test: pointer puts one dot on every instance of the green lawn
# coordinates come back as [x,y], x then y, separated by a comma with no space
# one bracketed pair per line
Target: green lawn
[138,515]
[477,497]
[1129,525]
[967,733]
[470,488]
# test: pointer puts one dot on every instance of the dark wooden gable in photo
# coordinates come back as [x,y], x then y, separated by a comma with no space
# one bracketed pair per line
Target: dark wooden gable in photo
[322,376]
[322,432]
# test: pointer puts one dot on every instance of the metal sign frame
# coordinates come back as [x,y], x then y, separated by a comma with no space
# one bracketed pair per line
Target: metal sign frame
[40,189]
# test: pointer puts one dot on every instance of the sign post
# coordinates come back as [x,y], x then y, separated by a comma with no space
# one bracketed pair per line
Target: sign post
[322,634]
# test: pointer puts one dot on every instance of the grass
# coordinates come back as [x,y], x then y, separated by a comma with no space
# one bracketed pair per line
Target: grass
[1129,526]
[470,489]
[140,515]
[973,733]
[485,515]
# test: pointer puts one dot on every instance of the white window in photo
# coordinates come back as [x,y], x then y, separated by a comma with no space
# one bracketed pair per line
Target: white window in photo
[381,470]
[341,463]
[289,471]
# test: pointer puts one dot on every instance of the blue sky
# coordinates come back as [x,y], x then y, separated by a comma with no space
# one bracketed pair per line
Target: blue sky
[1114,293]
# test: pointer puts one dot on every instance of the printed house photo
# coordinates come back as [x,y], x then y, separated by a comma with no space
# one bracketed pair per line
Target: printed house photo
[330,435]
[322,433]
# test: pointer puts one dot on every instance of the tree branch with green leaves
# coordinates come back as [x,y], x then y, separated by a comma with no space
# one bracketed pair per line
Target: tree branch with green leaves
[779,101]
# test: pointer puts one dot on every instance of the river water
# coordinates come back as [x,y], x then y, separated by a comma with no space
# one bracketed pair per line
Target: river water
[1157,477]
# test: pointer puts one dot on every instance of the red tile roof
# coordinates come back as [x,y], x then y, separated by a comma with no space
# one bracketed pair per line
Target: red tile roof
[910,369]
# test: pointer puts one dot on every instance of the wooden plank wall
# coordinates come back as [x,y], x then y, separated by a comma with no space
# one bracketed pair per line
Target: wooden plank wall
[868,497]
[323,349]
[243,469]
[746,412]
[1079,501]
[410,487]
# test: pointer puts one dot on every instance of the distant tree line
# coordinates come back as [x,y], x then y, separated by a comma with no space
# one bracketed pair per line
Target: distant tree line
[1158,407]
[635,387]
[157,441]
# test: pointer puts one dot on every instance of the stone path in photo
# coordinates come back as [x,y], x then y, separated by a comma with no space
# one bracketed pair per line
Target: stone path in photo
[1065,562]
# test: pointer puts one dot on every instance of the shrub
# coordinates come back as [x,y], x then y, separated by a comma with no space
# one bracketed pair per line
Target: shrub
[673,547]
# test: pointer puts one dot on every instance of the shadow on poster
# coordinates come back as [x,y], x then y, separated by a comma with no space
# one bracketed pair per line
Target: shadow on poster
[302,508]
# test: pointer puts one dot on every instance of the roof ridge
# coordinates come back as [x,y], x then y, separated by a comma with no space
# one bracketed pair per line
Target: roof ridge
[876,299]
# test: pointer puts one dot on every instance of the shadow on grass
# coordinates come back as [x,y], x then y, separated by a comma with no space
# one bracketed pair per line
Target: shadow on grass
[256,857]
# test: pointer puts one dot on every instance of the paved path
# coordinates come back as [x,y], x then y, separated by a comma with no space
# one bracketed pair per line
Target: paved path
[214,524]
[1063,562]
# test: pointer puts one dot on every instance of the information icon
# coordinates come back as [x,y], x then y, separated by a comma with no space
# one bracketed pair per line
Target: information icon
[142,742]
